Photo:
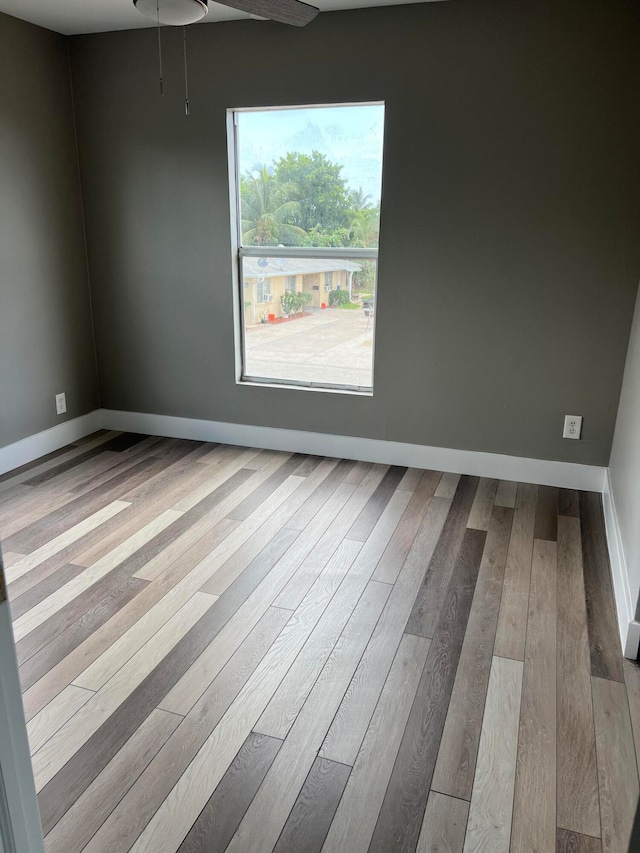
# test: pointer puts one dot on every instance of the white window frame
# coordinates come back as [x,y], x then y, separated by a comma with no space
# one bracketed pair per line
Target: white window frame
[317,253]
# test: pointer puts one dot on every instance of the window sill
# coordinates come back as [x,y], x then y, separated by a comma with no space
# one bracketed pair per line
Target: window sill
[294,386]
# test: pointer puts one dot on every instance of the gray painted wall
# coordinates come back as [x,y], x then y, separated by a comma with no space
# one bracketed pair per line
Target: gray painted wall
[46,339]
[509,248]
[625,461]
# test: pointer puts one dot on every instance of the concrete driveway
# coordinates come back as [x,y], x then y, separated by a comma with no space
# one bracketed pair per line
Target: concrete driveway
[333,346]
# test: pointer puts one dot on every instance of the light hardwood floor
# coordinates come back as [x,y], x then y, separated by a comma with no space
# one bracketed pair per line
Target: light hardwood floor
[226,648]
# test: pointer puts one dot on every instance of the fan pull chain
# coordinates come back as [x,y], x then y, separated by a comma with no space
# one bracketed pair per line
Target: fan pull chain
[186,76]
[159,47]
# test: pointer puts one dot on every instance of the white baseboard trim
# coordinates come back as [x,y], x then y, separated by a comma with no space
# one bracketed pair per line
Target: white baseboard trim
[625,607]
[632,646]
[545,472]
[568,475]
[31,448]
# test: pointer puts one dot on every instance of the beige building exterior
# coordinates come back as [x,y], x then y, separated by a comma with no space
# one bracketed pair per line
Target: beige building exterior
[265,280]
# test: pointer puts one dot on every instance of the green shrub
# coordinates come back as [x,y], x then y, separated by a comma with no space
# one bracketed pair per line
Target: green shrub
[294,303]
[338,297]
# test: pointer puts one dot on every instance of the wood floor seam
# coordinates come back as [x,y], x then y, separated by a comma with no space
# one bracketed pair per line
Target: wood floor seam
[453,797]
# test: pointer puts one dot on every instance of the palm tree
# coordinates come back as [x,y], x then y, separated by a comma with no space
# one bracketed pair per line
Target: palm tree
[359,200]
[265,205]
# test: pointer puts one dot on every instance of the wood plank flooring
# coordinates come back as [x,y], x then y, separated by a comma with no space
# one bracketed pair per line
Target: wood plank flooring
[223,648]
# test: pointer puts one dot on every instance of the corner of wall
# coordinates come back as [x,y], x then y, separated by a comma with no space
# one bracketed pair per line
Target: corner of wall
[84,223]
[622,496]
[629,629]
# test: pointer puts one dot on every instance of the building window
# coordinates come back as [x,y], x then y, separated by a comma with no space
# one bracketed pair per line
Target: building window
[263,292]
[306,189]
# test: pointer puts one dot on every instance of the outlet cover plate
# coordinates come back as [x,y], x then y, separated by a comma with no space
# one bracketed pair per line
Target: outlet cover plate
[572,426]
[61,403]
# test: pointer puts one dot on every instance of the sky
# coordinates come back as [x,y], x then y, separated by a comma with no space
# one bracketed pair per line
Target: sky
[350,136]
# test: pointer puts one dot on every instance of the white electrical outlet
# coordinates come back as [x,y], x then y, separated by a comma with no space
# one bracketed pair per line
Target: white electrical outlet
[572,426]
[61,403]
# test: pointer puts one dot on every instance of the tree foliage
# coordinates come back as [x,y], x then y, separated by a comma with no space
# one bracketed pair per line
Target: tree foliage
[365,278]
[321,191]
[303,200]
[320,237]
[359,200]
[365,227]
[268,207]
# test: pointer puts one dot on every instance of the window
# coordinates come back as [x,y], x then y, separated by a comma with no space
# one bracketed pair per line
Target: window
[262,291]
[306,191]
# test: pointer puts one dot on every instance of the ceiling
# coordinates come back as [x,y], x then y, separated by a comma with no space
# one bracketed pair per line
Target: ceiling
[72,17]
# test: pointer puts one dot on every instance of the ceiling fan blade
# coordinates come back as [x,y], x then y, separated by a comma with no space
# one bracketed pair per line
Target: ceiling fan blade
[292,12]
